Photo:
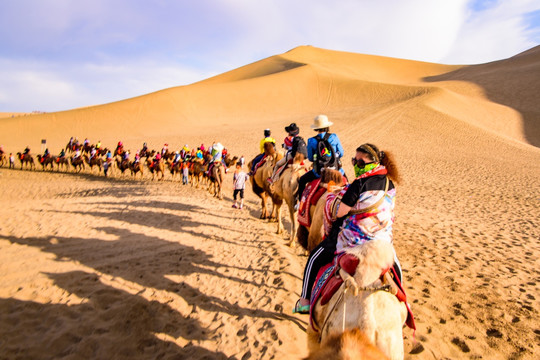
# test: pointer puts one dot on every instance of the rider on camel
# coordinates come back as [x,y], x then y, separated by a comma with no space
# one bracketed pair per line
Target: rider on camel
[185,151]
[217,156]
[155,160]
[293,144]
[177,157]
[46,154]
[108,157]
[362,212]
[322,126]
[26,151]
[199,154]
[258,158]
[165,149]
[93,153]
[62,153]
[137,158]
[98,145]
[119,148]
[144,149]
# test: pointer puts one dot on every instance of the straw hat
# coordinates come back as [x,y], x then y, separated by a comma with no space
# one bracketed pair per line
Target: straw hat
[321,122]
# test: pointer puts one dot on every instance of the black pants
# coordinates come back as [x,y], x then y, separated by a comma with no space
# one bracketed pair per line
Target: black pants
[236,192]
[303,181]
[323,254]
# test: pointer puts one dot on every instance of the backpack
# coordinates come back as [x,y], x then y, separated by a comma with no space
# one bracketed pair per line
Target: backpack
[324,156]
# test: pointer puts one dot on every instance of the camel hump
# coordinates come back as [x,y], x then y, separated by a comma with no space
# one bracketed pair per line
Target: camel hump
[331,175]
[373,253]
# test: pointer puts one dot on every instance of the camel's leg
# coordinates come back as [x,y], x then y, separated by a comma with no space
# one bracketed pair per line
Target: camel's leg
[279,222]
[219,182]
[273,214]
[293,224]
[264,199]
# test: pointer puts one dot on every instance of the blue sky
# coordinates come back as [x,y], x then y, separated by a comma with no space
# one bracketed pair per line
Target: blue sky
[61,54]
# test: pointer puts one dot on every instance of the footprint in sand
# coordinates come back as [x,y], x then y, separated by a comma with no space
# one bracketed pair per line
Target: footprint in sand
[494,333]
[461,344]
[417,349]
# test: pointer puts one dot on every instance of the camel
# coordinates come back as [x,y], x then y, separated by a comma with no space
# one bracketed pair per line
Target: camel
[102,151]
[77,163]
[285,188]
[360,303]
[26,159]
[174,168]
[122,164]
[71,148]
[3,159]
[217,176]
[216,179]
[259,182]
[156,168]
[310,237]
[48,161]
[63,161]
[196,172]
[135,168]
[87,148]
[95,161]
[352,344]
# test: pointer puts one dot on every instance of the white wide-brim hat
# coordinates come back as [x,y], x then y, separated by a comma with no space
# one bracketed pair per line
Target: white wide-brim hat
[321,122]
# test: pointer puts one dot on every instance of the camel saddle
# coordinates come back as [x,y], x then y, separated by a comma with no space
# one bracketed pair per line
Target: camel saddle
[328,282]
[312,193]
[260,163]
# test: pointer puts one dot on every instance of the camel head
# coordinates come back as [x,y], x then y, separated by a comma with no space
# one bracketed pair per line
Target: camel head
[349,345]
[269,148]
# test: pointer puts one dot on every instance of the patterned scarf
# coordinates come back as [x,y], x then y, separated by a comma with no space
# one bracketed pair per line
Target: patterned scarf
[370,170]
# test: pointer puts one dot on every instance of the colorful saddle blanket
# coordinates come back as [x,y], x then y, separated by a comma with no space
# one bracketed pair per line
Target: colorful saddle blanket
[312,193]
[260,163]
[328,282]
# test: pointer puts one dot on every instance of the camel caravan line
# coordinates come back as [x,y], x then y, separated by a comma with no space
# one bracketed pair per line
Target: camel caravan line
[194,166]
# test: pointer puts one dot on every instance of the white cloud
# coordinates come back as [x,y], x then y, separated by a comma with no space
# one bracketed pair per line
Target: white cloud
[494,33]
[415,29]
[52,87]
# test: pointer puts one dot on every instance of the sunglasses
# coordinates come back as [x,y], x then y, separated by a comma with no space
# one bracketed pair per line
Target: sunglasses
[360,163]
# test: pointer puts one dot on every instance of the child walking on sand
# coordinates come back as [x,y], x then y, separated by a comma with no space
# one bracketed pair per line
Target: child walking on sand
[239,180]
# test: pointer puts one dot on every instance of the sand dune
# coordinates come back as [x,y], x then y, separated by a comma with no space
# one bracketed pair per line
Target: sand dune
[98,268]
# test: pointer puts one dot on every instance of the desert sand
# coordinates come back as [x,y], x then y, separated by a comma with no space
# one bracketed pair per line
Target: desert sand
[122,268]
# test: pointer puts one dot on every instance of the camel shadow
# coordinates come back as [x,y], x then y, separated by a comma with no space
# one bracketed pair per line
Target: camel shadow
[151,262]
[108,324]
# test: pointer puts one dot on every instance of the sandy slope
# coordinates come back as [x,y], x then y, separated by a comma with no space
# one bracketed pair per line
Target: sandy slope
[107,254]
[121,269]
